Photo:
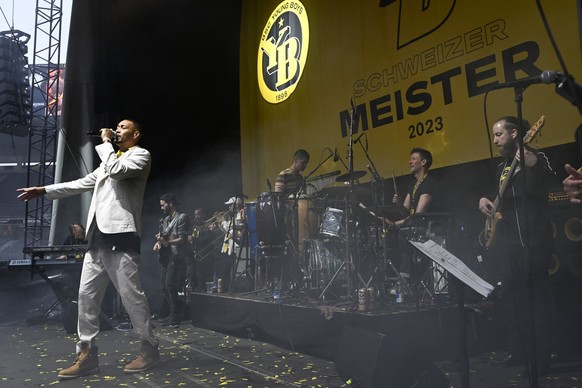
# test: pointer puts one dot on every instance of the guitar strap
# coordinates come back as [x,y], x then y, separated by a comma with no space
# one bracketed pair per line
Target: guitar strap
[168,228]
[503,175]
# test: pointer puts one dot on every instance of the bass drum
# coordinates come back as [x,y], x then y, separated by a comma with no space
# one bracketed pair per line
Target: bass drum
[324,261]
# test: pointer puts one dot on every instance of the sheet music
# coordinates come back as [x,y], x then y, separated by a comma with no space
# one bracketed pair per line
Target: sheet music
[454,265]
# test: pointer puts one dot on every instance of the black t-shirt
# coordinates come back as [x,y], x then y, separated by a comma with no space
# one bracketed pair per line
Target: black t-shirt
[427,186]
[128,242]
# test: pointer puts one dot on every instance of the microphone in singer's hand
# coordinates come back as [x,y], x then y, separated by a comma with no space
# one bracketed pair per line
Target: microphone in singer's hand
[98,134]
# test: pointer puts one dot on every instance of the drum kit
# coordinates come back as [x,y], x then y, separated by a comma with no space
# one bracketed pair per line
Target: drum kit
[328,242]
[320,243]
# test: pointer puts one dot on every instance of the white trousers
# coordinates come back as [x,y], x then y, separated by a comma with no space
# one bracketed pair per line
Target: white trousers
[99,266]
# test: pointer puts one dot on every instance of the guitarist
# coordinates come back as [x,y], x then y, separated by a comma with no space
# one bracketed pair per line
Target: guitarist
[173,248]
[524,216]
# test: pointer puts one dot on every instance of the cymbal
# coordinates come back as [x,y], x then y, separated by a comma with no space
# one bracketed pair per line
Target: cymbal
[362,192]
[350,175]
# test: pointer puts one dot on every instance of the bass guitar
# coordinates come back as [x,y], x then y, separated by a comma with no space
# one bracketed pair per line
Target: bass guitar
[490,235]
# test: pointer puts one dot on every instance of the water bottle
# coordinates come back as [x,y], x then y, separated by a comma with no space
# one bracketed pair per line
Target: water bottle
[215,282]
[187,290]
[398,290]
[276,290]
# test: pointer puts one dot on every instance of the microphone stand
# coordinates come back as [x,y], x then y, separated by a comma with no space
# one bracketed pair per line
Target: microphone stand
[533,375]
[378,182]
[349,206]
[317,167]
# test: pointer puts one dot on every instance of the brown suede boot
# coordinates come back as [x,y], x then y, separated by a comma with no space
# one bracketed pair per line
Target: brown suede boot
[148,356]
[86,363]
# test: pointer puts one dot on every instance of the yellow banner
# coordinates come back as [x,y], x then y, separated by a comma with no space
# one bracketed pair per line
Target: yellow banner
[408,74]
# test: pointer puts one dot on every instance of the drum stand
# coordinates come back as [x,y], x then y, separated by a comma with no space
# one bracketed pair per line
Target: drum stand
[350,269]
[244,246]
[433,283]
[404,284]
[434,280]
[351,176]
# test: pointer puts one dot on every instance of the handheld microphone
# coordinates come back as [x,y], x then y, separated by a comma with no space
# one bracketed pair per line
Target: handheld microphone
[98,134]
[546,77]
[359,137]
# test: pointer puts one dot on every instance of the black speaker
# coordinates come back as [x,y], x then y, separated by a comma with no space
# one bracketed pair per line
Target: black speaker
[366,360]
[566,263]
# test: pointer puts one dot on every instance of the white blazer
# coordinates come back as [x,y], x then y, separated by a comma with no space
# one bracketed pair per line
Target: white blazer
[118,186]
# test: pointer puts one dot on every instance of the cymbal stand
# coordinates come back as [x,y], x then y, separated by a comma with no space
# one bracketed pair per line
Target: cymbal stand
[350,200]
[377,185]
[378,181]
[318,166]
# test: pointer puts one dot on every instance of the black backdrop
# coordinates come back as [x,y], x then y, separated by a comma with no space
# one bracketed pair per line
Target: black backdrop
[172,66]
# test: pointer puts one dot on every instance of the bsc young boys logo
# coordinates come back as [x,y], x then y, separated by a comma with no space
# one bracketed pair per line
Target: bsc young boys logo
[283,51]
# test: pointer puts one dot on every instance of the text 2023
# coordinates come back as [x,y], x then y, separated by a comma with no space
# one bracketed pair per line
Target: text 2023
[425,128]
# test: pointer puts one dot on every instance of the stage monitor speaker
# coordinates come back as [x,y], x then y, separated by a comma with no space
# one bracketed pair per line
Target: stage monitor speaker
[366,360]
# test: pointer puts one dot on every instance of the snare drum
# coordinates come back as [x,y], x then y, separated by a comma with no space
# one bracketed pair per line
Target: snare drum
[332,224]
[324,262]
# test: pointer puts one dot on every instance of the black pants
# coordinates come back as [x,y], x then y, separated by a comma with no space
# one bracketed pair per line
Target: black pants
[172,278]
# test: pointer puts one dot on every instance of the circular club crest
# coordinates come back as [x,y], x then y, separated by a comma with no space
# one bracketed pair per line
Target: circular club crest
[283,51]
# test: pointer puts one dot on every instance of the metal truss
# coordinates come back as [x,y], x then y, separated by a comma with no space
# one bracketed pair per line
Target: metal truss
[44,130]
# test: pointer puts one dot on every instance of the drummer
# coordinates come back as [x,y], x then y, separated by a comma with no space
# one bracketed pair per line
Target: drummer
[420,197]
[289,184]
[290,181]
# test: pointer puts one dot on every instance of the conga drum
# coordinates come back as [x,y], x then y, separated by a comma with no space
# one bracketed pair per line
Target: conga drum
[270,220]
[307,220]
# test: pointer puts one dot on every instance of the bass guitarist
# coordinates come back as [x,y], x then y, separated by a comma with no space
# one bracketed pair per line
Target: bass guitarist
[524,243]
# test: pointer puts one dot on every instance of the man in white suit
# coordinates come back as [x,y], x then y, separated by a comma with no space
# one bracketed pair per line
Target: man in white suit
[114,230]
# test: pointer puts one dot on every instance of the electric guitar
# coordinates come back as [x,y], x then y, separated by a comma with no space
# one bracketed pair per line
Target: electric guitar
[164,252]
[490,235]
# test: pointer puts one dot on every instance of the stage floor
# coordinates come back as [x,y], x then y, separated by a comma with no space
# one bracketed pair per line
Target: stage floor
[247,340]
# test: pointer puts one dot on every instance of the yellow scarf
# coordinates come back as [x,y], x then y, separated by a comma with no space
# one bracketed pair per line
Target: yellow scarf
[120,152]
